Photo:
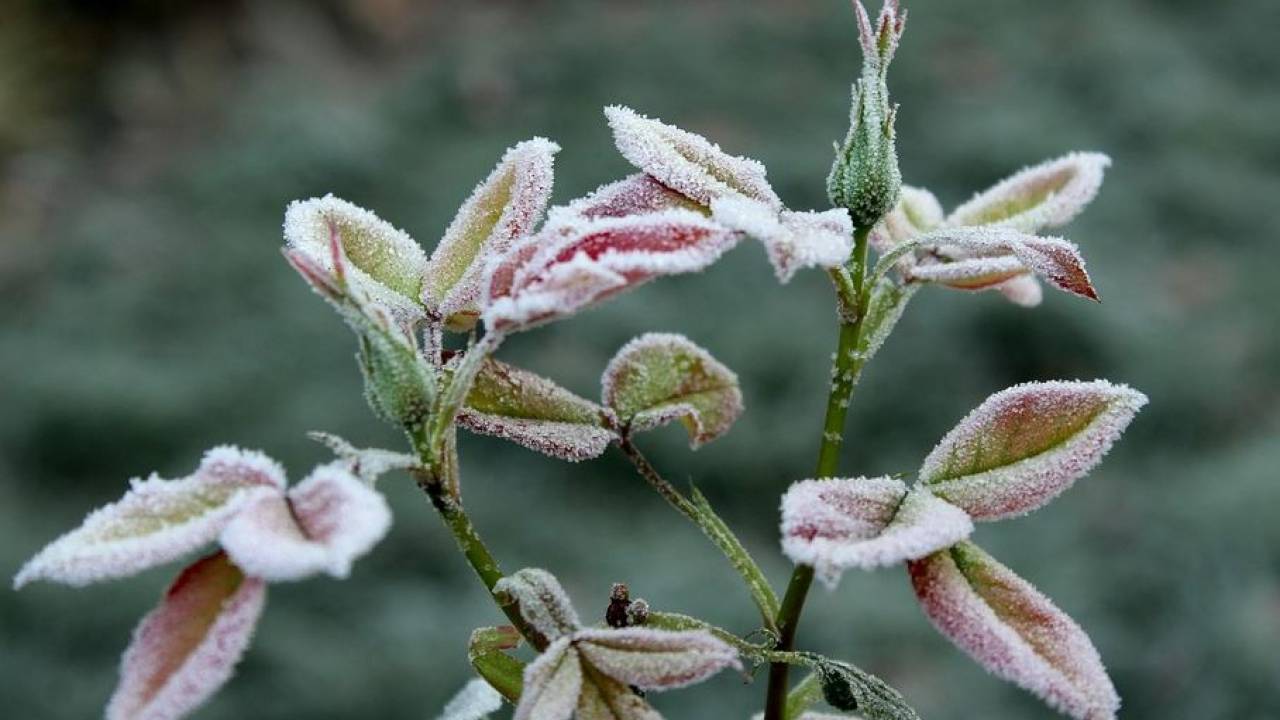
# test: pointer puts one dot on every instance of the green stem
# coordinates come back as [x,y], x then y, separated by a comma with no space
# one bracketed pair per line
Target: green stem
[845,371]
[714,528]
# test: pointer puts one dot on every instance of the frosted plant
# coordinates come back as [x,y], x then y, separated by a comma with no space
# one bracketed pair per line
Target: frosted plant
[510,262]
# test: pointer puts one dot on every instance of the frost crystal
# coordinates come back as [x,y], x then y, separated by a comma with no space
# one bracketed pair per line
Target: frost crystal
[660,377]
[1047,195]
[792,239]
[368,464]
[188,647]
[474,701]
[542,601]
[157,521]
[502,209]
[1013,630]
[987,257]
[686,162]
[1025,445]
[656,659]
[528,409]
[387,265]
[838,524]
[322,525]
[574,262]
[552,684]
[916,212]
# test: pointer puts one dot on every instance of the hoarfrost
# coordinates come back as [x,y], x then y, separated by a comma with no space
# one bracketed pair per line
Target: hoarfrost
[475,701]
[552,684]
[985,257]
[543,602]
[636,194]
[793,240]
[653,659]
[1047,195]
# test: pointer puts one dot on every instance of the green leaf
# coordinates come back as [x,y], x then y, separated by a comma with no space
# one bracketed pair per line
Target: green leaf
[487,654]
[888,301]
[530,410]
[720,534]
[660,377]
[847,687]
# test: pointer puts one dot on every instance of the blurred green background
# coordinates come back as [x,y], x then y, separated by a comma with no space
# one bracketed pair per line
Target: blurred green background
[147,151]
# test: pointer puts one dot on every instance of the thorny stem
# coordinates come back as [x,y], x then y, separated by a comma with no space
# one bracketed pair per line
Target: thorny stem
[845,370]
[715,530]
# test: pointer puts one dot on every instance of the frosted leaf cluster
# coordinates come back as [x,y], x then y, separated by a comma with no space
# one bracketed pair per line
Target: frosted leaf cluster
[834,524]
[185,649]
[475,701]
[1024,446]
[793,240]
[1013,630]
[588,673]
[660,377]
[993,243]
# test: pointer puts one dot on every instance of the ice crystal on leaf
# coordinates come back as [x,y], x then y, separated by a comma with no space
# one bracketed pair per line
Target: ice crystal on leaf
[321,525]
[1024,446]
[475,701]
[501,210]
[157,521]
[835,524]
[528,409]
[660,377]
[587,673]
[793,240]
[916,212]
[574,262]
[981,258]
[386,265]
[1013,630]
[368,464]
[188,647]
[686,162]
[1044,196]
[633,195]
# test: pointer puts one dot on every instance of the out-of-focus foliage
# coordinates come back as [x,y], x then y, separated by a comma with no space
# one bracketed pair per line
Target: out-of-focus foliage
[147,151]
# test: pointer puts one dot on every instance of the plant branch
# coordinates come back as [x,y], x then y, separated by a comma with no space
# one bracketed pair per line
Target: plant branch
[699,511]
[845,372]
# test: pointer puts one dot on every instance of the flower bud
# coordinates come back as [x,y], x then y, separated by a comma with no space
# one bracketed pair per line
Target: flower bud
[865,178]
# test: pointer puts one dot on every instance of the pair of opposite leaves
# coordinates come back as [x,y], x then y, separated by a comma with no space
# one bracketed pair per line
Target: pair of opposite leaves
[689,205]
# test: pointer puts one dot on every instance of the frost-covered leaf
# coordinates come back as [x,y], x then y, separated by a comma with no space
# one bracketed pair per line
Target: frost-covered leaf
[322,525]
[847,687]
[1023,290]
[526,408]
[604,698]
[793,240]
[574,262]
[386,265]
[502,209]
[888,301]
[656,659]
[633,195]
[1013,630]
[660,377]
[1025,445]
[1047,195]
[543,603]
[916,212]
[552,684]
[188,647]
[368,464]
[157,521]
[835,524]
[686,162]
[475,701]
[985,257]
[487,654]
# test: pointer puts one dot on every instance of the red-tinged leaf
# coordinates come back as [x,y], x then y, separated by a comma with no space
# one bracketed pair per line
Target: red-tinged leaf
[655,659]
[575,262]
[916,212]
[157,521]
[986,257]
[685,162]
[325,523]
[1025,445]
[385,265]
[543,603]
[528,409]
[1013,630]
[793,240]
[188,647]
[836,524]
[633,195]
[660,377]
[1047,195]
[552,684]
[501,210]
